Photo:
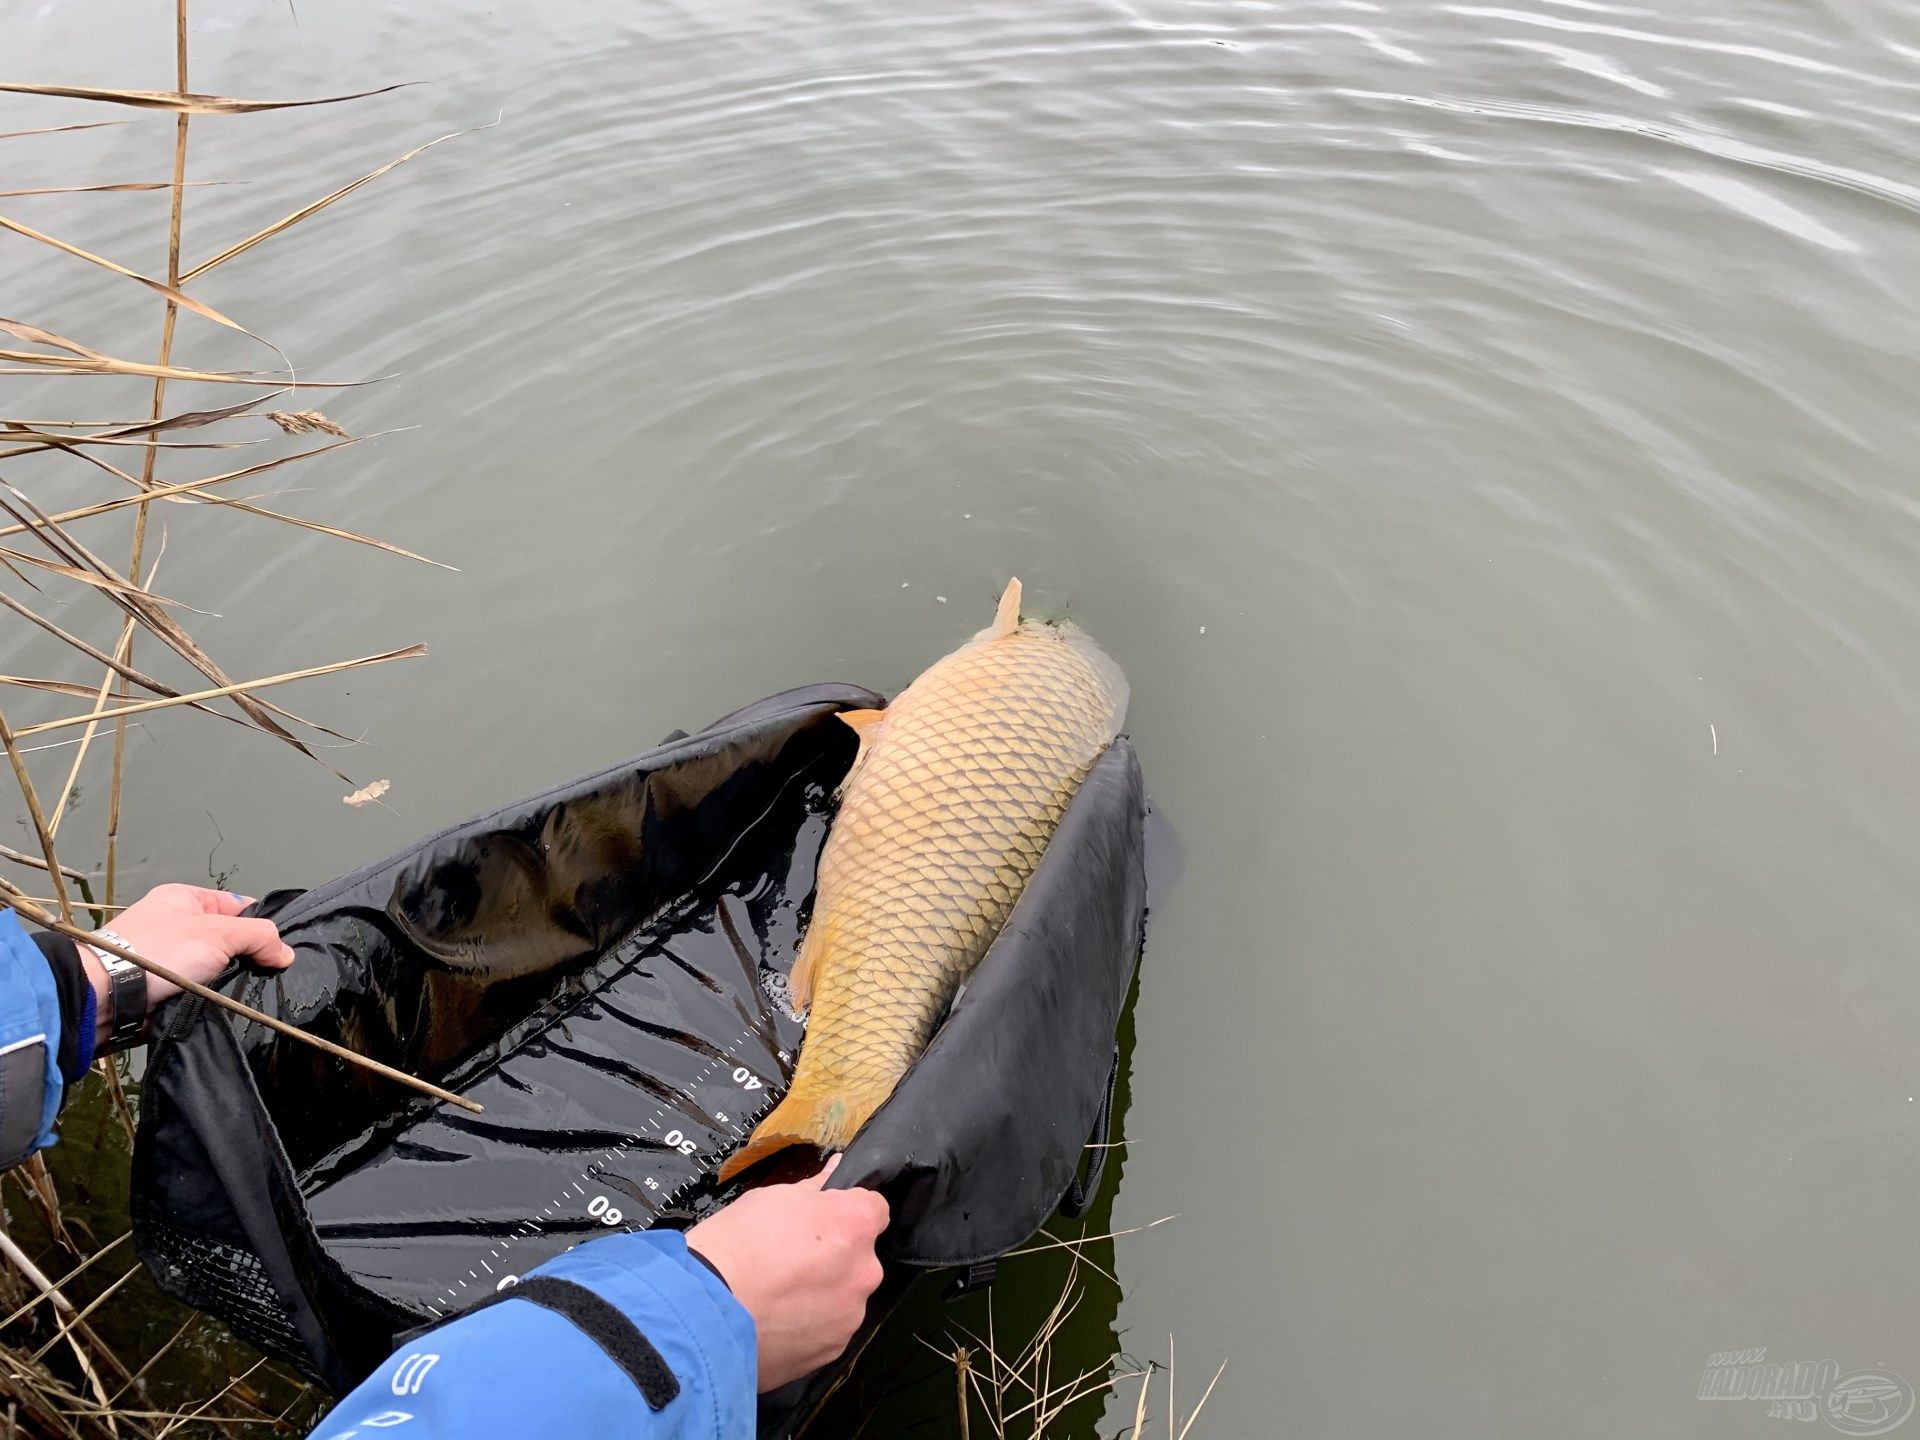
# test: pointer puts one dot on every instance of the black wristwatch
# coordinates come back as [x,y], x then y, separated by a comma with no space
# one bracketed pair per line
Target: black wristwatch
[126,995]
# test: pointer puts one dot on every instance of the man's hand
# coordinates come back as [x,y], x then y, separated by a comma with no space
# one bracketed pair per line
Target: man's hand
[800,1259]
[193,932]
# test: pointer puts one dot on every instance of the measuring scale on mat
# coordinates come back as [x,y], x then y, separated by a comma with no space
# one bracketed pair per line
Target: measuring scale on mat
[612,1108]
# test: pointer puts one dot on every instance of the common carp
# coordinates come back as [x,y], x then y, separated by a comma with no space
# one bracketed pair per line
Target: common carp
[955,791]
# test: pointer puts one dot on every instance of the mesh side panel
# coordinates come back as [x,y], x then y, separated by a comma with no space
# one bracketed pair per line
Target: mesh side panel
[230,1284]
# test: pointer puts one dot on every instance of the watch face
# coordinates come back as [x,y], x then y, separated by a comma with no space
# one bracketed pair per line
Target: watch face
[127,989]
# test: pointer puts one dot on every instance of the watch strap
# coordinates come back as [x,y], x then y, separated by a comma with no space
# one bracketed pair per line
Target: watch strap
[126,995]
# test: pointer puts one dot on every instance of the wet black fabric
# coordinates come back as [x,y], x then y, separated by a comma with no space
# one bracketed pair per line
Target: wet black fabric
[599,967]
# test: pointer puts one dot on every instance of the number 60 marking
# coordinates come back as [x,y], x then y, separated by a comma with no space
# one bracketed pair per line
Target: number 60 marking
[603,1211]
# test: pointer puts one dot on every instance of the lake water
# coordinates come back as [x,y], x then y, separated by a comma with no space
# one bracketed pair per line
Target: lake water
[1485,432]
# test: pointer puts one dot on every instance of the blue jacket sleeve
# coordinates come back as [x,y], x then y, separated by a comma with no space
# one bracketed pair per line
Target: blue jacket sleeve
[30,1081]
[524,1370]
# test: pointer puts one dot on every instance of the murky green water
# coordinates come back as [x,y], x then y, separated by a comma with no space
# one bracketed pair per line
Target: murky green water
[1485,432]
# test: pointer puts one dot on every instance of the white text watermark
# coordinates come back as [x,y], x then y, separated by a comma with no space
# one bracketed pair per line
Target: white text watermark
[1854,1402]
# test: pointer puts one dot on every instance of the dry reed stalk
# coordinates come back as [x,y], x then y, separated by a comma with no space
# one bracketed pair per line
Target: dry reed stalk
[174,213]
[34,1399]
[50,1291]
[7,852]
[100,700]
[1015,1393]
[40,1282]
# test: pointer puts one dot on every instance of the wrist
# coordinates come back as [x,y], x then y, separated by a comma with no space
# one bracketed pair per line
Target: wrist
[102,985]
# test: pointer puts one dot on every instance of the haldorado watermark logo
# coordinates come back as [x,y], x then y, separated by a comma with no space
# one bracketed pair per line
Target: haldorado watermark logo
[1859,1402]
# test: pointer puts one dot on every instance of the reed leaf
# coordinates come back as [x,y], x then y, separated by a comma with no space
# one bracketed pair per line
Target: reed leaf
[167,492]
[86,648]
[33,364]
[159,287]
[235,691]
[288,221]
[122,186]
[155,619]
[185,104]
[85,577]
[52,687]
[320,529]
[61,129]
[33,334]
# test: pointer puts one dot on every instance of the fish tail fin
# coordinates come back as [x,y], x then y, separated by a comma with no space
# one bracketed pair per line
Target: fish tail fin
[822,1116]
[760,1147]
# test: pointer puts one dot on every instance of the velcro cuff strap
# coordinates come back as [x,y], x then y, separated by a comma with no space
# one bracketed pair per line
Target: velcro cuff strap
[23,1091]
[603,1324]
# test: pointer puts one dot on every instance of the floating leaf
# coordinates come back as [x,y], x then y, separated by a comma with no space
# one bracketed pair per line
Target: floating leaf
[367,794]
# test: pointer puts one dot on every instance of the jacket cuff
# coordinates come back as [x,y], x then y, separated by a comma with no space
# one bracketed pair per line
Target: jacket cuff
[79,1013]
[707,1339]
[31,1085]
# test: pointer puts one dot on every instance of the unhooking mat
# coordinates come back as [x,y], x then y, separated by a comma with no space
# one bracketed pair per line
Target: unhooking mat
[600,967]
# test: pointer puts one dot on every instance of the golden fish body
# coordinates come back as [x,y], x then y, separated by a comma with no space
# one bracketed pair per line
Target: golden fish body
[956,791]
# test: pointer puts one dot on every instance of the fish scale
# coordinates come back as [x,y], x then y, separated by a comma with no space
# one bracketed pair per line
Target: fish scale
[950,804]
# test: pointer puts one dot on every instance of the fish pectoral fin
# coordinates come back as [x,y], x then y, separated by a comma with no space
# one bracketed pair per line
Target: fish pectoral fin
[1006,619]
[800,978]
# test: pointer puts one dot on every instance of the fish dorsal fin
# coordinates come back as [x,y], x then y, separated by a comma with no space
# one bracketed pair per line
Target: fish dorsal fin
[1006,619]
[865,724]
